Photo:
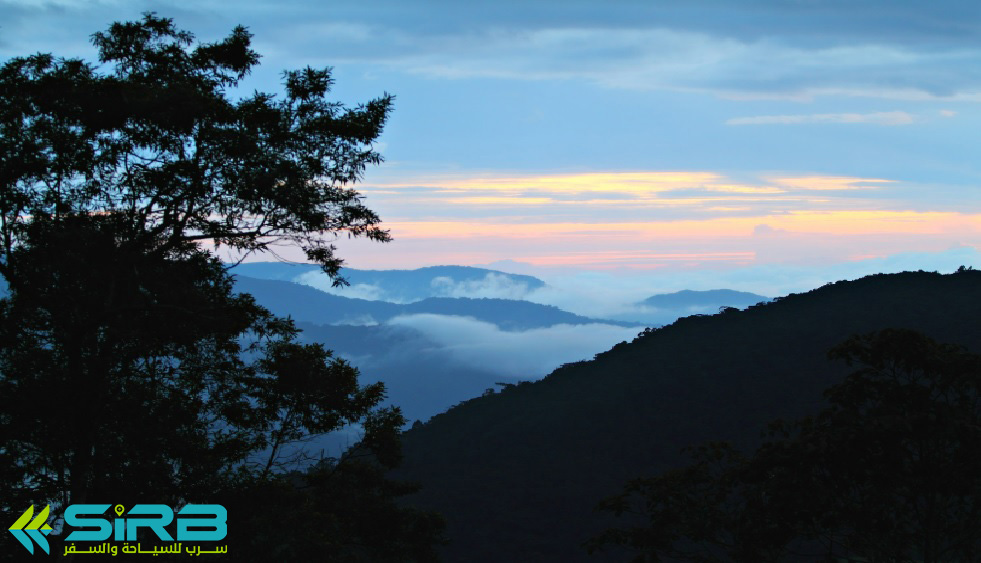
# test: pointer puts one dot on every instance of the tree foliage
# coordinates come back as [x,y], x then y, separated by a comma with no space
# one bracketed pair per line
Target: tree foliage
[157,142]
[130,370]
[886,472]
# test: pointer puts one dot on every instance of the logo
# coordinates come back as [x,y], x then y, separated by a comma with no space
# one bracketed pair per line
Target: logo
[125,529]
[25,529]
[194,523]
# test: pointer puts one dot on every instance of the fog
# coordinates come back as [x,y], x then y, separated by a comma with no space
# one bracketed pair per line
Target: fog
[529,354]
[615,295]
[492,285]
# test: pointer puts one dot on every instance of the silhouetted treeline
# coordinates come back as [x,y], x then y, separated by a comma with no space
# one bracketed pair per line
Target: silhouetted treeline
[887,471]
[518,474]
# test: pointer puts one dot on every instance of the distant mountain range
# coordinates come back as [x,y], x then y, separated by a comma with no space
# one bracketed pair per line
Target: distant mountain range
[401,286]
[407,286]
[423,373]
[517,474]
[305,303]
[429,361]
[703,301]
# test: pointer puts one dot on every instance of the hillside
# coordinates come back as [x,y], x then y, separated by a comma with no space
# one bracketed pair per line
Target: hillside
[517,474]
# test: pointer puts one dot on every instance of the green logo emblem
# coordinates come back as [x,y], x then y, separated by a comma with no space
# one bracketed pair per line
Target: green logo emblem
[25,529]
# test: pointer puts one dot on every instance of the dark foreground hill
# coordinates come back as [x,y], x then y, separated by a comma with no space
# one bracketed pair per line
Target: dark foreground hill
[517,474]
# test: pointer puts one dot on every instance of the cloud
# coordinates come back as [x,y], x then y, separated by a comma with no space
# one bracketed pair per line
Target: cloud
[878,118]
[635,183]
[790,52]
[490,286]
[359,320]
[830,183]
[319,280]
[529,354]
[796,50]
[594,294]
[628,194]
[614,295]
[637,235]
[681,59]
[846,223]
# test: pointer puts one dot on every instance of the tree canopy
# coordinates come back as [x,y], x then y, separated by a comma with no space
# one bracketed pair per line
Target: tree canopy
[156,140]
[130,371]
[886,472]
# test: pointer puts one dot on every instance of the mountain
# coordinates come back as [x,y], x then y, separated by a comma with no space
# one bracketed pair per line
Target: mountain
[284,271]
[402,286]
[665,308]
[707,301]
[406,346]
[518,473]
[308,304]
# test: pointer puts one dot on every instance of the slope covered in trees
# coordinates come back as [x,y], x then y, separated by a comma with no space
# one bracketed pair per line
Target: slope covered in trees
[887,471]
[518,474]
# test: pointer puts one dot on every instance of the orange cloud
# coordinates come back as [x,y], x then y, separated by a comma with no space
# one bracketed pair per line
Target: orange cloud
[659,219]
[691,189]
[487,200]
[616,182]
[652,202]
[851,222]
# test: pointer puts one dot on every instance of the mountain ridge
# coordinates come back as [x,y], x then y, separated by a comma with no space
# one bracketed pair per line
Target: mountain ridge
[401,285]
[704,297]
[308,304]
[518,473]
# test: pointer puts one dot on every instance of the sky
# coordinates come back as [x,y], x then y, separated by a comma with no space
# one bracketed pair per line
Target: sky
[767,146]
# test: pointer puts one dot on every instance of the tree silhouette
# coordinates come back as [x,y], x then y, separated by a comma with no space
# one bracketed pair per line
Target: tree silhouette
[886,472]
[158,143]
[129,368]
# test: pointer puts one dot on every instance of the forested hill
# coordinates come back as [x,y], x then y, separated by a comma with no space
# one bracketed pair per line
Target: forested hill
[517,474]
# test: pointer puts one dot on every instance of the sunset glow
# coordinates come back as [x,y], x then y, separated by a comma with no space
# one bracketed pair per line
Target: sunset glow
[797,222]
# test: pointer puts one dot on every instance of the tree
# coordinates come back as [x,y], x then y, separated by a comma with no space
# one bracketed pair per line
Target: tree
[158,143]
[886,472]
[130,369]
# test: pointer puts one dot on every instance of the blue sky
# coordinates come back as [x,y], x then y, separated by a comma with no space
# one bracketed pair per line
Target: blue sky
[705,140]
